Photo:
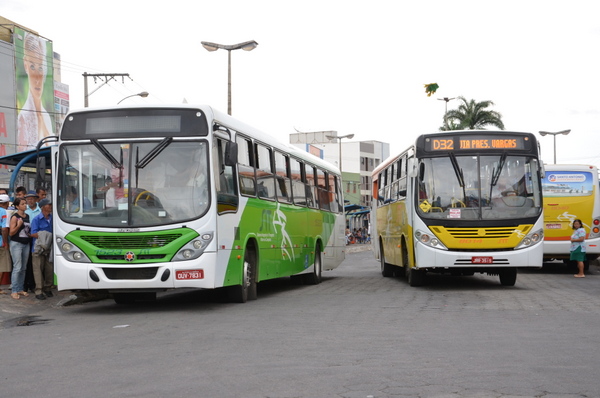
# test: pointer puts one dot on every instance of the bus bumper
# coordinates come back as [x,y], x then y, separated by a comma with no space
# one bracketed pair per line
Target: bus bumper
[198,273]
[428,258]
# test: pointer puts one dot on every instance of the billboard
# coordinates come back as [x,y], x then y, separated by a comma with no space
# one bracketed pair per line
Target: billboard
[35,88]
[7,100]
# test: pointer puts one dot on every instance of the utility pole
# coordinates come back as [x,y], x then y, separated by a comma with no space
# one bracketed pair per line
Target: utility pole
[105,77]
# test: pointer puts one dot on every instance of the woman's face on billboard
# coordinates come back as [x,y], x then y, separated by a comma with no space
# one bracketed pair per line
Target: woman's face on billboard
[34,67]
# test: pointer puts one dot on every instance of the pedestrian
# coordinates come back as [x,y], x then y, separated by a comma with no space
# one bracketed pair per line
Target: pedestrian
[19,247]
[43,267]
[33,209]
[578,247]
[5,263]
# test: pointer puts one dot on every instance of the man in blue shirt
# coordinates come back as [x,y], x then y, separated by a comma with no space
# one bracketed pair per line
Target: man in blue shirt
[32,205]
[43,265]
[32,210]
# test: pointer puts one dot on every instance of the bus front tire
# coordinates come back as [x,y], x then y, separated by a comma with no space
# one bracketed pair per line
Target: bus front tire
[416,277]
[247,290]
[508,276]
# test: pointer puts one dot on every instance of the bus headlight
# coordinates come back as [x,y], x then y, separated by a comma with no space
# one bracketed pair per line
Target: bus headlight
[429,239]
[531,239]
[70,251]
[194,248]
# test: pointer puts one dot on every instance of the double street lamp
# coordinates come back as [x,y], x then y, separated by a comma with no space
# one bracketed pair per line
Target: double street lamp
[246,46]
[565,132]
[143,94]
[339,138]
[446,112]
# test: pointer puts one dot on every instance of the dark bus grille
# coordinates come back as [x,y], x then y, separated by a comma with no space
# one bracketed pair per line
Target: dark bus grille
[130,273]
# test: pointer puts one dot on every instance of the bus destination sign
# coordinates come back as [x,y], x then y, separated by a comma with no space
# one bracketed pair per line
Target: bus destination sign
[475,142]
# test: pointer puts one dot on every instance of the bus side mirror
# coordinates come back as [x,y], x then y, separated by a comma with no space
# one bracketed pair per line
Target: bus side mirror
[231,153]
[40,171]
[411,168]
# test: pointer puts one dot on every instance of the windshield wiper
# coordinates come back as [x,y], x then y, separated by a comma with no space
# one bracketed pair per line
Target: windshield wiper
[457,170]
[153,153]
[496,173]
[114,162]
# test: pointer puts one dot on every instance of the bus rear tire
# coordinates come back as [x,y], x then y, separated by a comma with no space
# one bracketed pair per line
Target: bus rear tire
[508,276]
[247,290]
[314,278]
[387,269]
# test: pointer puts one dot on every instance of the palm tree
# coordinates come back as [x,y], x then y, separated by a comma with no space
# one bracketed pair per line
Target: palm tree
[473,116]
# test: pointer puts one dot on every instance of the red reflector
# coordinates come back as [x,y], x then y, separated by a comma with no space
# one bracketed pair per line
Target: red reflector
[596,221]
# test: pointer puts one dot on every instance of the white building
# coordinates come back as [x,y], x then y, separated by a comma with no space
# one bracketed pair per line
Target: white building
[358,159]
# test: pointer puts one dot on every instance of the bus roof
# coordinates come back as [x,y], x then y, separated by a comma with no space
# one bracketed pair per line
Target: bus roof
[235,124]
[570,167]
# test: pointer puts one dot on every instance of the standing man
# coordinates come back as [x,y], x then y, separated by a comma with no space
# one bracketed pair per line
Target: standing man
[32,210]
[43,266]
[5,262]
[41,192]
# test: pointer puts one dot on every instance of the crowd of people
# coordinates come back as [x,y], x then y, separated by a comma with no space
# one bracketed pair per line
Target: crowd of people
[25,243]
[357,235]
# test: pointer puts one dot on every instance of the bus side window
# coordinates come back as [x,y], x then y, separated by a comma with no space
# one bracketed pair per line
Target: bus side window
[227,200]
[284,192]
[311,189]
[264,172]
[322,191]
[298,189]
[246,176]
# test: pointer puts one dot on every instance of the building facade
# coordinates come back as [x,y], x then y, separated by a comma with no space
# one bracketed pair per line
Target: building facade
[358,160]
[33,101]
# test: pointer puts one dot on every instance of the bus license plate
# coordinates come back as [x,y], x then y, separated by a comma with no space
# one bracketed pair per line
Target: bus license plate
[482,260]
[189,274]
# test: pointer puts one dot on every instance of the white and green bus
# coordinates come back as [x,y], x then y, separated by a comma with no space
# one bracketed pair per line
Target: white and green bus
[154,198]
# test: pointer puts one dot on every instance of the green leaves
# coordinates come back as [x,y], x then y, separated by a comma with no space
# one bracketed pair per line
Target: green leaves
[431,88]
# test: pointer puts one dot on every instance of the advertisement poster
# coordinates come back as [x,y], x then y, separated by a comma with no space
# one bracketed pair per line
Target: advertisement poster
[35,89]
[568,183]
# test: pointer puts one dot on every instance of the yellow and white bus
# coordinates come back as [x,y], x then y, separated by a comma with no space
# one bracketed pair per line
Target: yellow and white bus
[570,192]
[460,202]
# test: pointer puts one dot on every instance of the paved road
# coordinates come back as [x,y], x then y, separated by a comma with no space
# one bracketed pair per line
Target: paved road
[355,335]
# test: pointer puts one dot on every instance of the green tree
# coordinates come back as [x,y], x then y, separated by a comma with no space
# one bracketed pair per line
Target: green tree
[472,115]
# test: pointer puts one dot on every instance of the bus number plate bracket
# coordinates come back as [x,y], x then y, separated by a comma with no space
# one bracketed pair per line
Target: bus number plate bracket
[189,274]
[482,260]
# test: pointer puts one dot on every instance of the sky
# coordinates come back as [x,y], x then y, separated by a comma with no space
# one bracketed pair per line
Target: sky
[354,67]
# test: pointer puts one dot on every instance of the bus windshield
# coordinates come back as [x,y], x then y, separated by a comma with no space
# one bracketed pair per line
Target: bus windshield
[478,187]
[133,184]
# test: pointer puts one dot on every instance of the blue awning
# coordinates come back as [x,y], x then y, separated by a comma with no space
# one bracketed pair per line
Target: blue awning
[26,158]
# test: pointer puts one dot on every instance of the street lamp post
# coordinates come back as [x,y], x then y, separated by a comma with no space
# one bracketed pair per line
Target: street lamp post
[565,132]
[446,113]
[246,46]
[339,138]
[143,94]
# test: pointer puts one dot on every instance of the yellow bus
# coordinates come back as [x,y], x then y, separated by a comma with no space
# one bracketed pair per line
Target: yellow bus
[460,202]
[570,192]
